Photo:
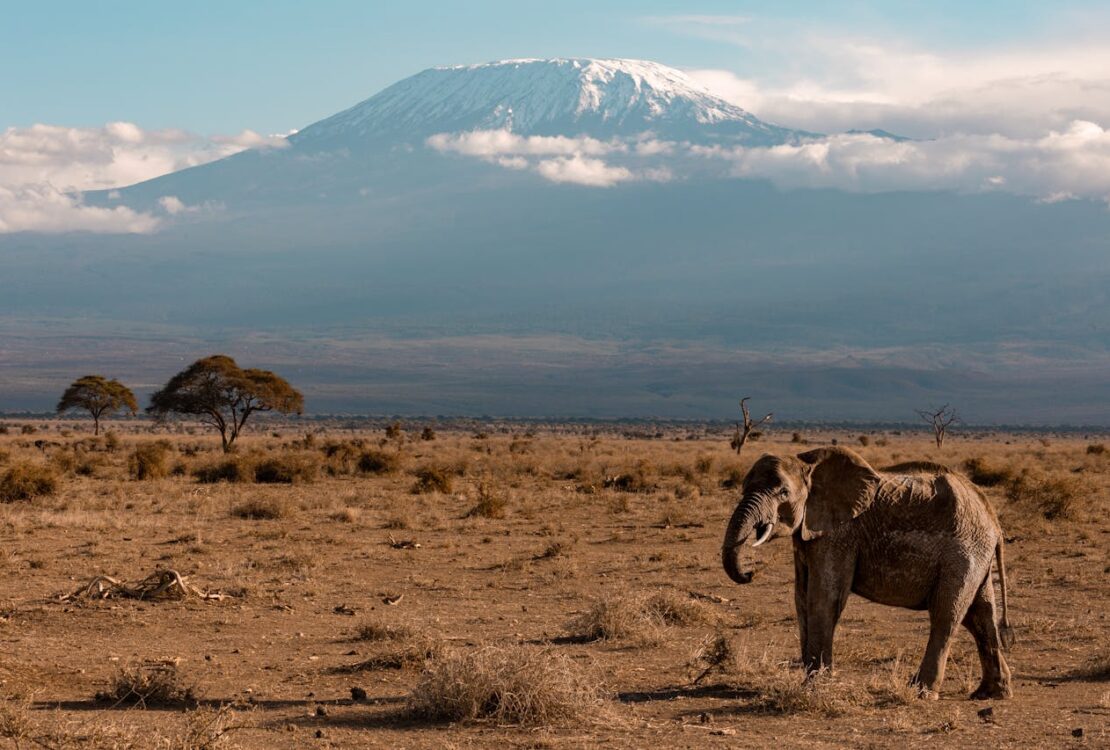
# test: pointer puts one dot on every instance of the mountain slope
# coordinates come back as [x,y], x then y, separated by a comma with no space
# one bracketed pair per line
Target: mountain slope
[600,98]
[359,230]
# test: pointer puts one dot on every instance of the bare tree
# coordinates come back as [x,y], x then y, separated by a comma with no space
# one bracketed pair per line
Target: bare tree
[940,420]
[745,429]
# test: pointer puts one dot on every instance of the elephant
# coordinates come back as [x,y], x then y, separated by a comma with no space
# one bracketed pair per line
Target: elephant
[921,537]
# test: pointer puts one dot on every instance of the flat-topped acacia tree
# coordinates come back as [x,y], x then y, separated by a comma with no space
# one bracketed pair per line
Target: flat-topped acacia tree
[220,393]
[98,396]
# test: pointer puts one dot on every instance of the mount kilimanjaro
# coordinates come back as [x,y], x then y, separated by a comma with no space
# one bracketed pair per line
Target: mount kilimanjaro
[551,237]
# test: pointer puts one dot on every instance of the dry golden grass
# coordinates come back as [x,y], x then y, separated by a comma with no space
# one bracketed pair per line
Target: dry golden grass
[514,685]
[148,685]
[27,481]
[322,552]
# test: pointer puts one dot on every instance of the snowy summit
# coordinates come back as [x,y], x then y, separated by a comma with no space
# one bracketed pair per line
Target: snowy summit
[597,97]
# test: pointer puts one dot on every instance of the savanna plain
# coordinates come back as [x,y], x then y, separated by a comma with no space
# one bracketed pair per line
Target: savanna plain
[334,584]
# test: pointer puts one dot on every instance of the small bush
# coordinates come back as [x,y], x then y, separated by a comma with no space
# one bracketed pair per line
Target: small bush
[411,650]
[379,462]
[236,469]
[431,479]
[27,429]
[148,685]
[506,685]
[427,434]
[864,440]
[491,503]
[672,608]
[287,468]
[1054,495]
[1096,449]
[26,481]
[984,474]
[393,431]
[376,630]
[619,618]
[633,481]
[150,461]
[262,509]
[111,442]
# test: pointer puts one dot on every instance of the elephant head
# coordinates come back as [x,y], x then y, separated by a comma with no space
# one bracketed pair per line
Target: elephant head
[811,493]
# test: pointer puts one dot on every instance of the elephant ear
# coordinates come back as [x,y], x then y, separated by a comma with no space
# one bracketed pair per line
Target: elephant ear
[841,487]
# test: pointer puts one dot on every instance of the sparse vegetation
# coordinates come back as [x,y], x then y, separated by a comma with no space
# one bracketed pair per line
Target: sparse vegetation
[150,461]
[506,685]
[26,481]
[432,479]
[149,685]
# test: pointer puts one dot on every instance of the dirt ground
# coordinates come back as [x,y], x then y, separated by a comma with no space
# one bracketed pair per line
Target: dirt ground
[587,518]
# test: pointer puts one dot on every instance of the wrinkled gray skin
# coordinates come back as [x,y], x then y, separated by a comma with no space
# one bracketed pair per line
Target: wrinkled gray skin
[920,537]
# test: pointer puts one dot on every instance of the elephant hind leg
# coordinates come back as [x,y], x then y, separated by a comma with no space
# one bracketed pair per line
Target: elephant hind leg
[948,605]
[980,621]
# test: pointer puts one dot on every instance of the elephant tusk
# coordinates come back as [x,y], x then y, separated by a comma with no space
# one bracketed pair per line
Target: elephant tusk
[765,535]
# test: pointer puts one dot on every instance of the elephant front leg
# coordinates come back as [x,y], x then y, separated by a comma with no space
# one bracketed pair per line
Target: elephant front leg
[800,586]
[828,584]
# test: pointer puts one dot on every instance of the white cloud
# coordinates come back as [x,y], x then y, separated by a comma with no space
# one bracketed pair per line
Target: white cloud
[45,209]
[558,158]
[1074,162]
[825,80]
[582,170]
[44,167]
[492,143]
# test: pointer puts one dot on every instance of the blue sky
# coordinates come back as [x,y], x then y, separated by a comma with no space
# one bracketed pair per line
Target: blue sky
[214,67]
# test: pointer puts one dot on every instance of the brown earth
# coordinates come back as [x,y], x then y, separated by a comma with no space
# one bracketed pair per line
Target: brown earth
[587,518]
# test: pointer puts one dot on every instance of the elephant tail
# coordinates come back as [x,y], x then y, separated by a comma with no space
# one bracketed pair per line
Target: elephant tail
[1005,631]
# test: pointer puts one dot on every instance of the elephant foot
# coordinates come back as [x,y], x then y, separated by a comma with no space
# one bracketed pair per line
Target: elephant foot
[924,692]
[993,691]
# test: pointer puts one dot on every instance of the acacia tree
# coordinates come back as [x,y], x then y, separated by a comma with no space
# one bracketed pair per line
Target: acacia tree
[747,428]
[99,397]
[220,393]
[940,420]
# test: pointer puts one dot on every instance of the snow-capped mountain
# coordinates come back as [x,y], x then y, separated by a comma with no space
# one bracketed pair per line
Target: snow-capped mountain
[600,98]
[578,202]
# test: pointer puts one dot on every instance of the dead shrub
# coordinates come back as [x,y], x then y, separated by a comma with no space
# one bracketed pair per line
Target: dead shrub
[376,630]
[150,461]
[26,481]
[149,685]
[431,479]
[427,434]
[506,685]
[379,462]
[491,503]
[234,469]
[984,474]
[620,618]
[672,608]
[788,691]
[287,468]
[1052,495]
[1096,449]
[412,650]
[262,509]
[632,481]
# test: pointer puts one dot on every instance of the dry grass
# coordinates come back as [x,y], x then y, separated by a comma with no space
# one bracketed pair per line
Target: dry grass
[491,503]
[431,479]
[26,481]
[1052,494]
[379,462]
[638,618]
[148,685]
[287,468]
[513,685]
[985,473]
[376,630]
[235,469]
[263,508]
[150,461]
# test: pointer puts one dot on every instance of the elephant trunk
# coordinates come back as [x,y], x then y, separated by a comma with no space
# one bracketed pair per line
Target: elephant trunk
[740,528]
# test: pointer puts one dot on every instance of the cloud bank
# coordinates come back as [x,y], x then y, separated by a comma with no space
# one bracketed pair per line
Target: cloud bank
[44,167]
[556,158]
